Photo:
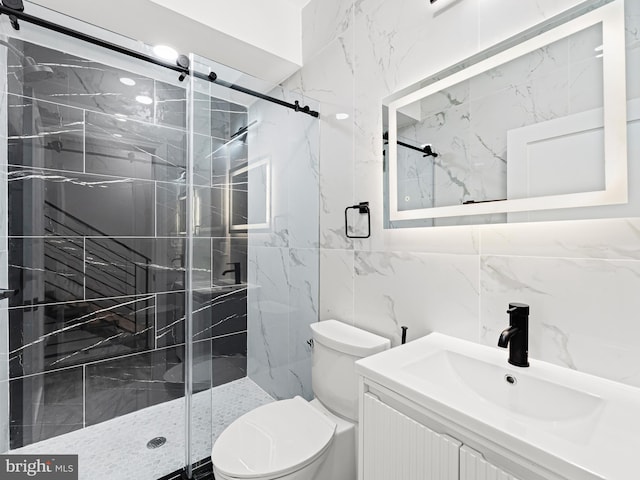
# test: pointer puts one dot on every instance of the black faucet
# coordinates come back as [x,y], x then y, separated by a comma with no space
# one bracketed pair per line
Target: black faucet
[517,335]
[236,272]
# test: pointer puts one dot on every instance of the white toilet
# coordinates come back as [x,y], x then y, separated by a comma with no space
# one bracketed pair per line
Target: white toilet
[299,440]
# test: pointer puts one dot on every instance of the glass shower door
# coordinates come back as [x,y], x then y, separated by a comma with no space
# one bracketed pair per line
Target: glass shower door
[94,190]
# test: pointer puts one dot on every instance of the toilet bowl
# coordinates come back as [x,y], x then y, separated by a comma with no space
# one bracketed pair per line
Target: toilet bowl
[299,440]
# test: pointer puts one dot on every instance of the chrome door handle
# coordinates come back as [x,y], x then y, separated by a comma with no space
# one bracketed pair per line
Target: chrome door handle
[6,293]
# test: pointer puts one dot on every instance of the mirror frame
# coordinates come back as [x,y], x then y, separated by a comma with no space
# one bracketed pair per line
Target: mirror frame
[611,17]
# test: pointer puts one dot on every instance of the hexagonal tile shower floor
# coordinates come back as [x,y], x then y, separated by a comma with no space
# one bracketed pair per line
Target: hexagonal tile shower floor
[117,449]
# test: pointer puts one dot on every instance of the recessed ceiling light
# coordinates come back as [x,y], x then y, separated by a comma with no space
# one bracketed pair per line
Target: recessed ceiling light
[166,52]
[143,99]
[342,116]
[129,82]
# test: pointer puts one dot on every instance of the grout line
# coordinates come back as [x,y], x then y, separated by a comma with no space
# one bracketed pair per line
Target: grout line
[84,396]
[84,268]
[155,330]
[84,141]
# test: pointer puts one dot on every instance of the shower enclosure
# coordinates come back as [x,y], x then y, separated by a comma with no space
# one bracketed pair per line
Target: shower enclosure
[161,236]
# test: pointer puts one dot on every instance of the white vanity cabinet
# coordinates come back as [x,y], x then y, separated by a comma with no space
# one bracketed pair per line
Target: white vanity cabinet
[395,446]
[473,466]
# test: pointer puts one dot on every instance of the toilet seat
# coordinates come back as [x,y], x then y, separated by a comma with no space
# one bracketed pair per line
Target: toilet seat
[273,440]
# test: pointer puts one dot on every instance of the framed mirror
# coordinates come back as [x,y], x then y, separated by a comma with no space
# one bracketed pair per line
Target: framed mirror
[537,124]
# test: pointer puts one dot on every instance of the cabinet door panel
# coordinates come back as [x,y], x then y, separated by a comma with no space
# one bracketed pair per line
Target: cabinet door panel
[399,448]
[473,466]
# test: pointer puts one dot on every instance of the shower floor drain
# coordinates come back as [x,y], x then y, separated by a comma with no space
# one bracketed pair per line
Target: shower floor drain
[156,442]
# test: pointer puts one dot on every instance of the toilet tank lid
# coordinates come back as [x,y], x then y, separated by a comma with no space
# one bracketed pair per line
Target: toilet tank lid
[347,339]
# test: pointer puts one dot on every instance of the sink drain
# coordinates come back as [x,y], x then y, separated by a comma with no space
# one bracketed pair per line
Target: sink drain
[156,442]
[510,379]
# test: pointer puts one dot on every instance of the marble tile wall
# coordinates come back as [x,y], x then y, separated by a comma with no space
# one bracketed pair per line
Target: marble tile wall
[580,277]
[96,188]
[284,256]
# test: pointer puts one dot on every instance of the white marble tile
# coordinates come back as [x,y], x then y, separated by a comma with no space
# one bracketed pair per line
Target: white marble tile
[632,13]
[614,239]
[268,312]
[336,285]
[304,278]
[323,22]
[328,77]
[122,452]
[463,240]
[501,19]
[268,140]
[303,185]
[393,35]
[583,312]
[426,292]
[289,141]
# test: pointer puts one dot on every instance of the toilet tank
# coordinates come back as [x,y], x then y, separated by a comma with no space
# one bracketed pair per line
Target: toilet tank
[336,348]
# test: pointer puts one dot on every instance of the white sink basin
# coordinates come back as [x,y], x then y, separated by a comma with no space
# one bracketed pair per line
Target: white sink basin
[583,426]
[514,392]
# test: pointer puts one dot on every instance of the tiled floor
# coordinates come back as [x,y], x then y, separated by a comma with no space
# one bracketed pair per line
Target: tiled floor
[116,449]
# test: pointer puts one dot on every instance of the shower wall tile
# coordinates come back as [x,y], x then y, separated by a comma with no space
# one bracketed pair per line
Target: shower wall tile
[303,179]
[170,308]
[170,104]
[219,311]
[575,304]
[170,204]
[46,269]
[46,405]
[122,266]
[202,370]
[268,319]
[51,336]
[426,292]
[124,385]
[126,148]
[52,138]
[48,202]
[229,358]
[303,299]
[202,271]
[324,80]
[226,252]
[82,83]
[202,149]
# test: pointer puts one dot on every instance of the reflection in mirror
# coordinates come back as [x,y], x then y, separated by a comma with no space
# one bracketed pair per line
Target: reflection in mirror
[537,125]
[249,196]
